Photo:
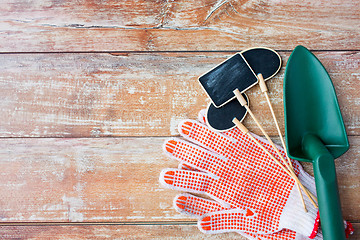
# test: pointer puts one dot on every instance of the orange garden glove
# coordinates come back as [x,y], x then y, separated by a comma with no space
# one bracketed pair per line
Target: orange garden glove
[196,207]
[255,195]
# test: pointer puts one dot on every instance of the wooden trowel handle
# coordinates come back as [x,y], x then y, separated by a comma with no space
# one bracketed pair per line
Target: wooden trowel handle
[332,222]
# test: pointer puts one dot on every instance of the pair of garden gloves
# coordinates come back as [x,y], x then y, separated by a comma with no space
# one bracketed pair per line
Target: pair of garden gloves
[242,190]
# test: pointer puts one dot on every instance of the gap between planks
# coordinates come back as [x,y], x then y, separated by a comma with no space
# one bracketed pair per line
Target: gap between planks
[116,53]
[164,223]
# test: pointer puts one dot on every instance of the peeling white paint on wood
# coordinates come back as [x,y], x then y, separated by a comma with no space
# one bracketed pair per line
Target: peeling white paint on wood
[172,26]
[149,102]
[109,179]
[139,95]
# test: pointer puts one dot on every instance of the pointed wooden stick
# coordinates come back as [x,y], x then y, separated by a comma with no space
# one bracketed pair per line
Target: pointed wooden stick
[243,103]
[290,173]
[264,89]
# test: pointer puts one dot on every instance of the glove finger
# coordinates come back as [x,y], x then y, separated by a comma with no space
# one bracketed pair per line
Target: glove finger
[234,220]
[284,234]
[201,135]
[182,180]
[202,116]
[195,206]
[193,155]
[238,221]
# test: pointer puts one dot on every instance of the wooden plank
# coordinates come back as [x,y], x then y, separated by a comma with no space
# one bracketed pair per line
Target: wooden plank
[136,94]
[83,180]
[109,180]
[172,232]
[181,25]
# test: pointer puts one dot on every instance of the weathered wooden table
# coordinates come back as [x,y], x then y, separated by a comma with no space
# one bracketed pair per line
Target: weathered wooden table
[91,89]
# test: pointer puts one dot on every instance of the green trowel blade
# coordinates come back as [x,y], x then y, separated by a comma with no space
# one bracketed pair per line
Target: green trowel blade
[311,106]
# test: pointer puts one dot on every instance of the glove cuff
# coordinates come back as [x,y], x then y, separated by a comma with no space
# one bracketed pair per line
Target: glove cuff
[294,216]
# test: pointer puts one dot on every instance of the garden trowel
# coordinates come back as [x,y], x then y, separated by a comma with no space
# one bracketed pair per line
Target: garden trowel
[315,132]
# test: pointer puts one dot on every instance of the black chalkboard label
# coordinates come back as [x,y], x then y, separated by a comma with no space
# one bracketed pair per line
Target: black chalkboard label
[263,60]
[220,119]
[221,81]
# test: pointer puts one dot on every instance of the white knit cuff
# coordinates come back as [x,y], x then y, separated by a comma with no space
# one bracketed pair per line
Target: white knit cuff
[294,216]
